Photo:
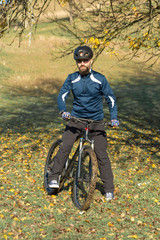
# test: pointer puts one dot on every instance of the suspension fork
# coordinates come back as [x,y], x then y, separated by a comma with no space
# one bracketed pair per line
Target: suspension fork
[80,156]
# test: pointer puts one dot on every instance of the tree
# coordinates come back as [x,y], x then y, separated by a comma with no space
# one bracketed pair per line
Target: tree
[110,25]
[20,13]
[114,25]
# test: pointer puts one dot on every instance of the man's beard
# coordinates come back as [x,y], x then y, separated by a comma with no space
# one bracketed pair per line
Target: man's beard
[84,70]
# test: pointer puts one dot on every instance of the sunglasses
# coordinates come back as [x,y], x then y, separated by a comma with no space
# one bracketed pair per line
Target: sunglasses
[84,61]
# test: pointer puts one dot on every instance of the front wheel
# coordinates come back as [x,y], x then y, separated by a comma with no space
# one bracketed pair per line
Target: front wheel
[84,186]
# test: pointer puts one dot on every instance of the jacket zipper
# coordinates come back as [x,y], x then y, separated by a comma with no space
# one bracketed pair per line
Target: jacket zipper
[84,85]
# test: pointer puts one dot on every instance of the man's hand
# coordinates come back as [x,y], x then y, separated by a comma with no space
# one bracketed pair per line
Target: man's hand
[114,123]
[66,115]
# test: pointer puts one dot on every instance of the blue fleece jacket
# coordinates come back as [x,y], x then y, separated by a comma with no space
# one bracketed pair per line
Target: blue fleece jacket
[88,92]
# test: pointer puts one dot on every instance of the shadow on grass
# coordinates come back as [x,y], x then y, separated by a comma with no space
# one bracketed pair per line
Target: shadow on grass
[36,110]
[139,110]
[30,109]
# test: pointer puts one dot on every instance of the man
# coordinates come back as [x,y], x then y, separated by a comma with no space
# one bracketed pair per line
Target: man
[88,88]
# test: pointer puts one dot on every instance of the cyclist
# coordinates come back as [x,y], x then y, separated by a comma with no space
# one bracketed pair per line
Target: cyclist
[88,88]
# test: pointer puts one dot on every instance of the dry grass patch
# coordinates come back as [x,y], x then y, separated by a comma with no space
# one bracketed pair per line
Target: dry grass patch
[37,85]
[33,67]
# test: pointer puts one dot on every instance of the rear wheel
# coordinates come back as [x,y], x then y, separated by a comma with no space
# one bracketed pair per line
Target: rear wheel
[66,172]
[48,166]
[84,186]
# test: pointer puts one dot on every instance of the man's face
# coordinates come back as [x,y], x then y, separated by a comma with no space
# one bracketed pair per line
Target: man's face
[84,66]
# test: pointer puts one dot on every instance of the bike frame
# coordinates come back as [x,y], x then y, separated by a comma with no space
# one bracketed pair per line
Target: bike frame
[84,150]
[82,140]
[81,144]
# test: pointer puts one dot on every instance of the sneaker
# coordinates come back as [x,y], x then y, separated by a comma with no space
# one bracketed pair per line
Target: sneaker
[109,196]
[54,183]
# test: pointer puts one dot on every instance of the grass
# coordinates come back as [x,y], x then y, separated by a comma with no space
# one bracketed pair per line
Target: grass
[29,84]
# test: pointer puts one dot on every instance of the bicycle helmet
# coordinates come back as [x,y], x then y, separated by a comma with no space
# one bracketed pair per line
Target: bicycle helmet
[83,52]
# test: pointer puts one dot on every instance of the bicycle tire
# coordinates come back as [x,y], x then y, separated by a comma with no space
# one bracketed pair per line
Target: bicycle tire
[84,187]
[48,165]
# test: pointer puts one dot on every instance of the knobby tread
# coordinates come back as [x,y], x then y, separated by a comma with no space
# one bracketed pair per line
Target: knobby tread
[85,206]
[50,191]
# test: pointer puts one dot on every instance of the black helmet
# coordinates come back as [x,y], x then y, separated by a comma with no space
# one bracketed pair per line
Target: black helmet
[83,52]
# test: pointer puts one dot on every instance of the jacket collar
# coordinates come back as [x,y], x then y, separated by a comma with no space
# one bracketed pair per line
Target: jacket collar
[86,74]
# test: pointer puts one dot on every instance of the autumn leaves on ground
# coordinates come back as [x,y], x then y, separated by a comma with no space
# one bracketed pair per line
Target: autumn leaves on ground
[29,84]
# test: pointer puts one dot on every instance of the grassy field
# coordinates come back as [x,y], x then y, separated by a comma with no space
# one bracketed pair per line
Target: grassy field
[29,84]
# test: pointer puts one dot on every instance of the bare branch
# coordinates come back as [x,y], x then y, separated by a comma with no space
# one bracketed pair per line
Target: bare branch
[105,25]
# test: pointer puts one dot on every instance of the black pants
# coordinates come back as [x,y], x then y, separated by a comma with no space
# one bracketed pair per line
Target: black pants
[97,132]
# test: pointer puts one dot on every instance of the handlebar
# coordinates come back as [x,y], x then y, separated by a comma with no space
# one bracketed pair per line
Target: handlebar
[82,120]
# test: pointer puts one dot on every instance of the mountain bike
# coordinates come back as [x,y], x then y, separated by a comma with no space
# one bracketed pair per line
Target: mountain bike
[82,166]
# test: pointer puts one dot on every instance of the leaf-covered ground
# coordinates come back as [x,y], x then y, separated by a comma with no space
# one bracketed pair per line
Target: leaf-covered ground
[28,213]
[30,123]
